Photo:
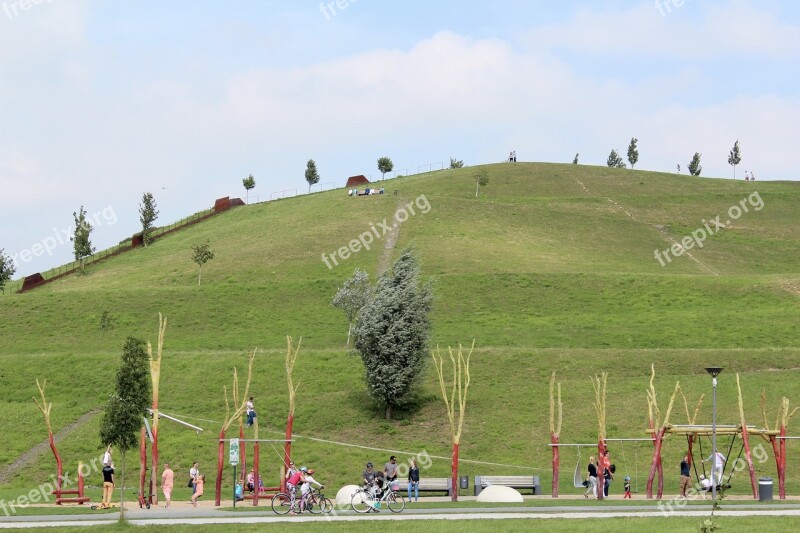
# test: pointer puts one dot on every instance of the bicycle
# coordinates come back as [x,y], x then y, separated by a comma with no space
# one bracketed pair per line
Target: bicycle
[314,502]
[364,500]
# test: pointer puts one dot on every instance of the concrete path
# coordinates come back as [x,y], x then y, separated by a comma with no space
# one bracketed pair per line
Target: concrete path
[199,516]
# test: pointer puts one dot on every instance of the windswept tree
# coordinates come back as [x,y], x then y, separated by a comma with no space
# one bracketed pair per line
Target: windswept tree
[575,160]
[352,296]
[392,331]
[735,157]
[614,160]
[249,184]
[312,176]
[148,213]
[481,179]
[694,165]
[81,238]
[128,405]
[385,165]
[456,163]
[7,269]
[202,254]
[633,152]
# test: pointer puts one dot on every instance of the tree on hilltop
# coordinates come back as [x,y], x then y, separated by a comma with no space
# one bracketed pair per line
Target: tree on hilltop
[7,269]
[735,157]
[633,152]
[456,163]
[202,254]
[481,179]
[385,165]
[352,296]
[81,238]
[249,183]
[127,407]
[392,332]
[694,165]
[575,161]
[614,160]
[312,176]
[147,215]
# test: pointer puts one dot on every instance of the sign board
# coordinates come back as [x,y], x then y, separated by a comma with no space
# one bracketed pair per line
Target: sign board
[234,452]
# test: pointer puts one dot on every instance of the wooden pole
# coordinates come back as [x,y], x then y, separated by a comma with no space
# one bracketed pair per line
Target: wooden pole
[291,360]
[746,441]
[555,430]
[460,385]
[155,378]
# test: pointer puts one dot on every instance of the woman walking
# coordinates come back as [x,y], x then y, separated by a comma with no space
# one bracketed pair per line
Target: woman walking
[592,479]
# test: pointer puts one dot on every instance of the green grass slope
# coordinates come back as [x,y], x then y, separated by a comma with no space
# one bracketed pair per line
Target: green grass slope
[551,268]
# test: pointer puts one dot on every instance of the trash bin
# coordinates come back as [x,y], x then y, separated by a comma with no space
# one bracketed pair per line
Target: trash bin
[765,489]
[464,482]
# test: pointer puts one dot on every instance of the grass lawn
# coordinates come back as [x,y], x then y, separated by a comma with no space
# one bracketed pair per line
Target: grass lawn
[543,274]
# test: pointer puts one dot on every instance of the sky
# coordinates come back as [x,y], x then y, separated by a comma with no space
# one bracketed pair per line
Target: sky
[102,101]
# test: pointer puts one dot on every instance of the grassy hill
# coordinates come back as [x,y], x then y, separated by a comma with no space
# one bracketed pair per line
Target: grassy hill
[551,268]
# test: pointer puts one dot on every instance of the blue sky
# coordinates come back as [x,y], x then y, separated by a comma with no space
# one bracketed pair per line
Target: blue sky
[102,101]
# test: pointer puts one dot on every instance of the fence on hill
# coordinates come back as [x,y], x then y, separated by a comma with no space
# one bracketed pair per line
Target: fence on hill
[42,278]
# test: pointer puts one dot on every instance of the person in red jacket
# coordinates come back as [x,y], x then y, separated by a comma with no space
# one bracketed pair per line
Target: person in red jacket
[291,485]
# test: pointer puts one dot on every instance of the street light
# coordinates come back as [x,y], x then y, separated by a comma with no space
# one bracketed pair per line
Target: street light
[714,371]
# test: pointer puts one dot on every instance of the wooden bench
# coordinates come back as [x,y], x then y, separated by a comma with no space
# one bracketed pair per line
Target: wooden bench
[433,484]
[515,482]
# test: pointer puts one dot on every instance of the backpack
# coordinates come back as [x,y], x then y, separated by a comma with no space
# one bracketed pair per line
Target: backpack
[613,468]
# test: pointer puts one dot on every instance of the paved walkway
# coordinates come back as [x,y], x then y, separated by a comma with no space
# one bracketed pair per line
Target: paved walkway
[184,514]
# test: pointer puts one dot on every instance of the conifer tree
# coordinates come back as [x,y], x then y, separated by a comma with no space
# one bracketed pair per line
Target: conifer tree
[633,152]
[735,157]
[392,333]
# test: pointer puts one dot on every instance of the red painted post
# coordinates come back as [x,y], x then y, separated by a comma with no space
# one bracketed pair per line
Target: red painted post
[80,483]
[554,440]
[454,474]
[287,448]
[749,457]
[153,495]
[659,436]
[142,459]
[601,471]
[220,452]
[257,477]
[782,469]
[242,455]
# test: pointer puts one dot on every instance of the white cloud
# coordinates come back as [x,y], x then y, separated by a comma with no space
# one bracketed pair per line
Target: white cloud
[710,30]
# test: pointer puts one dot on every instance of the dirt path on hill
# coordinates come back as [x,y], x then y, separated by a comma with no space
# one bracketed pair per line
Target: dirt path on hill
[660,228]
[391,240]
[7,472]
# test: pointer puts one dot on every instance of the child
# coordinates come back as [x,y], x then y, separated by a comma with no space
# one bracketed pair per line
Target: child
[627,488]
[305,488]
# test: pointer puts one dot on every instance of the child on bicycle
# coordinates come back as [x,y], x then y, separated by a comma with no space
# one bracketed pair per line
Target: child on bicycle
[305,488]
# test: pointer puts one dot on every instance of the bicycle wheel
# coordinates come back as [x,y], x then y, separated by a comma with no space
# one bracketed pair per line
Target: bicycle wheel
[313,504]
[327,505]
[361,502]
[396,502]
[281,503]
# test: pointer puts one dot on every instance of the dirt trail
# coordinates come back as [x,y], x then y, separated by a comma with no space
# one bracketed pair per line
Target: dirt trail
[391,240]
[661,229]
[8,471]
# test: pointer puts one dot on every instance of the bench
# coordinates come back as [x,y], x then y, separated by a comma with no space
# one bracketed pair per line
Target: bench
[515,482]
[434,484]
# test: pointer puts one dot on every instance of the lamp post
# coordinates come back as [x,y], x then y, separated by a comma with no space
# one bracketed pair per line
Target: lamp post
[714,371]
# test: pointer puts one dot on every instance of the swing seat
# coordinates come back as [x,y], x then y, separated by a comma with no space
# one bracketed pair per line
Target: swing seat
[577,479]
